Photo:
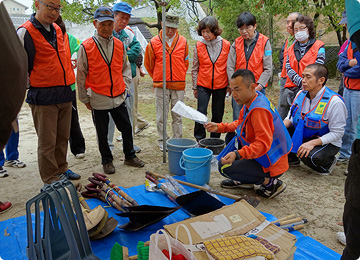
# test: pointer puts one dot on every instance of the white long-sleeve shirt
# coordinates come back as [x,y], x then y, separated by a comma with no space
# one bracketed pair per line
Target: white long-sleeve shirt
[335,115]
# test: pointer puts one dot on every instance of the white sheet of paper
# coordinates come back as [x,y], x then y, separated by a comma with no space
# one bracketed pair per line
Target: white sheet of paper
[189,112]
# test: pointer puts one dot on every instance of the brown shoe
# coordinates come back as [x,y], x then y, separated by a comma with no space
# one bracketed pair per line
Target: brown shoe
[109,168]
[136,162]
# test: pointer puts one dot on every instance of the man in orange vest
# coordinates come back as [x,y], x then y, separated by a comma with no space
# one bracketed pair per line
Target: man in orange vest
[348,65]
[49,95]
[252,51]
[103,89]
[283,54]
[177,63]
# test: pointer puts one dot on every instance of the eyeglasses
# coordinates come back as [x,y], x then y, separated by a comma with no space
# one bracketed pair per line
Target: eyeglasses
[51,7]
[247,28]
[303,28]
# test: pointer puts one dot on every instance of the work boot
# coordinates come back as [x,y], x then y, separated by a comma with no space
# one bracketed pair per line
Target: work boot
[135,162]
[109,168]
[4,206]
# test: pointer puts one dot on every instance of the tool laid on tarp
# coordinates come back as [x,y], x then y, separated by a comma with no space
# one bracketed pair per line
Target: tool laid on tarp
[195,203]
[62,234]
[140,216]
[290,222]
[252,200]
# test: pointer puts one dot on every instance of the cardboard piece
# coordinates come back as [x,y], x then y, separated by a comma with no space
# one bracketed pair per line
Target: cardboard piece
[236,219]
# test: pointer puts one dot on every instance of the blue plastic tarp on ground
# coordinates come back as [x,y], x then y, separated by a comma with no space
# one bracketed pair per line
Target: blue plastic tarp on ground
[13,247]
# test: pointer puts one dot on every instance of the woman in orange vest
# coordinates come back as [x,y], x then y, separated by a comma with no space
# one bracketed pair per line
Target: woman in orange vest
[305,51]
[209,73]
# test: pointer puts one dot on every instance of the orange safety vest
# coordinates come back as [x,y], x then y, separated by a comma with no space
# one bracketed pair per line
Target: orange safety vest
[217,70]
[103,78]
[175,61]
[255,62]
[283,71]
[68,55]
[350,83]
[50,67]
[307,59]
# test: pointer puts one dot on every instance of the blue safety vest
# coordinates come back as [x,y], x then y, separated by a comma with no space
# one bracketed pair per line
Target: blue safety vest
[281,144]
[314,123]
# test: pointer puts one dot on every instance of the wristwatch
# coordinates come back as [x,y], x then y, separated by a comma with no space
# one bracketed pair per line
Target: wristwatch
[238,156]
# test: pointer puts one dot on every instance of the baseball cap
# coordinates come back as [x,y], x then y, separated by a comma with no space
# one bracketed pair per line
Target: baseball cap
[122,7]
[104,14]
[344,18]
[172,21]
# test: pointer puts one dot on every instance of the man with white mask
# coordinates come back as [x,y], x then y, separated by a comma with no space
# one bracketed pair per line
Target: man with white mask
[306,50]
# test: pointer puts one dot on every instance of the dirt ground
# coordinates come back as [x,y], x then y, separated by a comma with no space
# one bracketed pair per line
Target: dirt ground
[320,199]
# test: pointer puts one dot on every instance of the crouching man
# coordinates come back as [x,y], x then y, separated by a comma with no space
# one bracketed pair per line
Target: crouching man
[263,143]
[103,89]
[316,121]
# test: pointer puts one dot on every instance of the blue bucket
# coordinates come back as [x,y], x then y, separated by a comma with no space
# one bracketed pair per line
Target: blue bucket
[175,148]
[196,162]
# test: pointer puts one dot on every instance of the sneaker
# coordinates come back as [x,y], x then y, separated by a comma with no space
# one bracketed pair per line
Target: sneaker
[3,172]
[4,206]
[14,163]
[293,160]
[346,172]
[161,147]
[341,237]
[140,129]
[137,149]
[119,139]
[342,160]
[70,175]
[80,156]
[232,184]
[135,162]
[331,168]
[273,190]
[109,168]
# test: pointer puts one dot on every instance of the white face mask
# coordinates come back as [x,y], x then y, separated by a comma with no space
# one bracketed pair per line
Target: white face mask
[302,36]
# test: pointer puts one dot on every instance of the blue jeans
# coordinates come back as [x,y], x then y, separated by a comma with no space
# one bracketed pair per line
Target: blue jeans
[352,102]
[11,149]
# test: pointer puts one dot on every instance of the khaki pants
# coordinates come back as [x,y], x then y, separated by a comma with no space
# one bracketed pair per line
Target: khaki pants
[138,120]
[52,124]
[172,96]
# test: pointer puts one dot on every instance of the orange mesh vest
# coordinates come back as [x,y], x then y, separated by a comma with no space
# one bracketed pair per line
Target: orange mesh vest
[217,70]
[283,71]
[103,78]
[50,65]
[68,55]
[307,59]
[349,82]
[175,65]
[255,62]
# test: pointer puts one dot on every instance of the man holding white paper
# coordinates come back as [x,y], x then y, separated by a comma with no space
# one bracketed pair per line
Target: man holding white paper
[260,157]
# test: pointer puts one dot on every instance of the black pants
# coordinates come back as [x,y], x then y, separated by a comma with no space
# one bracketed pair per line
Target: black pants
[76,140]
[245,171]
[122,122]
[321,158]
[351,216]
[217,109]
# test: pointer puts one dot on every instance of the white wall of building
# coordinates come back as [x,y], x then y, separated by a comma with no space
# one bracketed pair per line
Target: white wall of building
[14,7]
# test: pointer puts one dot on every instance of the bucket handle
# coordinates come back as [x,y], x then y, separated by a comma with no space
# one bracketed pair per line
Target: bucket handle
[181,162]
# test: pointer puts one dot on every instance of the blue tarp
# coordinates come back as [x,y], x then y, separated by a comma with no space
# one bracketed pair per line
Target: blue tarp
[13,247]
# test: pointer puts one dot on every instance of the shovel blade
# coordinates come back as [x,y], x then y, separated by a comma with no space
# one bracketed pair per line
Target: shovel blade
[145,215]
[199,202]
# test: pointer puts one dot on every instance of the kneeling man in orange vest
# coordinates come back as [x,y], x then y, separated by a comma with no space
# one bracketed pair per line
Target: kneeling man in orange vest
[103,89]
[258,153]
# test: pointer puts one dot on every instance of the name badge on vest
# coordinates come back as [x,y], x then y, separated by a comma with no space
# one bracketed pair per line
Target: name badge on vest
[320,108]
